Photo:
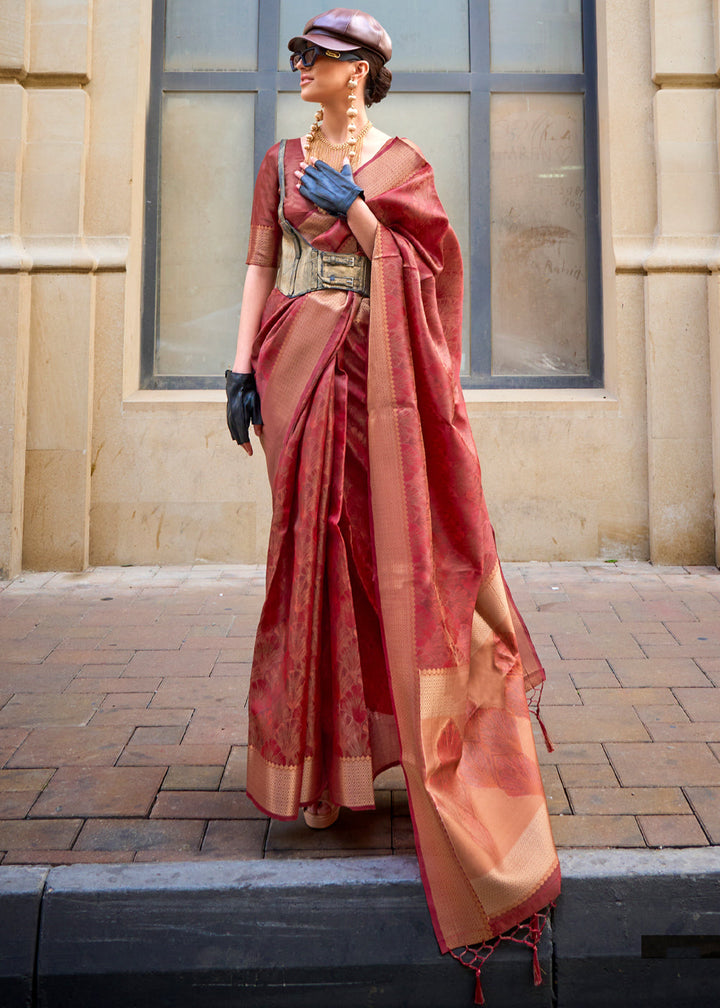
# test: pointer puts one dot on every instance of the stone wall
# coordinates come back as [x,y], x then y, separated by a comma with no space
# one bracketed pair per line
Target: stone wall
[94,470]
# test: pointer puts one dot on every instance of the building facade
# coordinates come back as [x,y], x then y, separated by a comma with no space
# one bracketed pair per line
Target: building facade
[578,161]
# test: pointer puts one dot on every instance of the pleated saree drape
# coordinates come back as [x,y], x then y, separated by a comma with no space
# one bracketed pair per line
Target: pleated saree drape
[388,634]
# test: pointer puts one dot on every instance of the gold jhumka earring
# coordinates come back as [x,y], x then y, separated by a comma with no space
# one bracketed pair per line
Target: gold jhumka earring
[318,146]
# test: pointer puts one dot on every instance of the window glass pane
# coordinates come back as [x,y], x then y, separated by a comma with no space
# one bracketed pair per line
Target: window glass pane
[416,116]
[211,35]
[538,235]
[536,36]
[206,165]
[425,36]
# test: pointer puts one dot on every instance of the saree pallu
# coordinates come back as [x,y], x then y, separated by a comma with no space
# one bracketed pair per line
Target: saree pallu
[388,633]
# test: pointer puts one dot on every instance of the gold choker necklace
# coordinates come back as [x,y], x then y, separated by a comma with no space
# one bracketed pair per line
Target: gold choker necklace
[334,154]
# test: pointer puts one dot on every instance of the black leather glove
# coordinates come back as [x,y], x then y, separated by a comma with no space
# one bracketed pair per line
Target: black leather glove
[243,405]
[334,191]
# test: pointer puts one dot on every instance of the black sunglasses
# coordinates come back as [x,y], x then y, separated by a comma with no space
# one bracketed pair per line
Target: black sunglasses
[307,57]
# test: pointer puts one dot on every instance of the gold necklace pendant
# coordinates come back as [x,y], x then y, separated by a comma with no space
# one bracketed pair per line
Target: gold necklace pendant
[334,154]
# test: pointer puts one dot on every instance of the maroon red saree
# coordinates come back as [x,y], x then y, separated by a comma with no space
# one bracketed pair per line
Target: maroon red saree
[388,634]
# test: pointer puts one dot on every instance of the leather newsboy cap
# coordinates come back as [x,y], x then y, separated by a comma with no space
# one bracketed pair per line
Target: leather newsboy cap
[343,29]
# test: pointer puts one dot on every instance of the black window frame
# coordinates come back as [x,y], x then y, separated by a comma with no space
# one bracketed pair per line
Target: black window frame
[479,83]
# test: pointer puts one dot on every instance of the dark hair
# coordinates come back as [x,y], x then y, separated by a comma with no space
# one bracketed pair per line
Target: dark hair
[377,82]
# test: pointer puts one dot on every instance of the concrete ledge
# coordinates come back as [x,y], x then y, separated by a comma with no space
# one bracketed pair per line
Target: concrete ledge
[20,898]
[639,927]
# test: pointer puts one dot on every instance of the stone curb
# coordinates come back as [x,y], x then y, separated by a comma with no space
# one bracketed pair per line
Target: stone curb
[632,927]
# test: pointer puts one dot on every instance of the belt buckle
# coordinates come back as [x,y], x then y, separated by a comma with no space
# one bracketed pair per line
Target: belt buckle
[339,270]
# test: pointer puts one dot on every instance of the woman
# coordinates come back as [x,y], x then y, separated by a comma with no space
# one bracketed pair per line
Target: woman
[388,635]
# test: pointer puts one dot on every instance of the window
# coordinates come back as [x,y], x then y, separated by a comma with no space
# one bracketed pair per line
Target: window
[502,100]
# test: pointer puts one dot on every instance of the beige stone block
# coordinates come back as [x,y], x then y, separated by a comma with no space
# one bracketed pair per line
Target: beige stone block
[686,124]
[60,359]
[13,36]
[60,37]
[626,115]
[163,533]
[683,39]
[15,311]
[678,364]
[109,325]
[55,535]
[682,526]
[7,568]
[115,167]
[12,114]
[54,158]
[714,341]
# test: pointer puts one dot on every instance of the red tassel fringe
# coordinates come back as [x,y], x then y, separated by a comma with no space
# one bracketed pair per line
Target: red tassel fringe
[527,933]
[534,707]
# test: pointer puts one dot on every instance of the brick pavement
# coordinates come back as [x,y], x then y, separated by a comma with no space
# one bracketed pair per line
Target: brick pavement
[123,715]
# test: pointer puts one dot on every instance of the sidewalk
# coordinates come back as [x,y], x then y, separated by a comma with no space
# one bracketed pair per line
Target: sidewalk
[123,715]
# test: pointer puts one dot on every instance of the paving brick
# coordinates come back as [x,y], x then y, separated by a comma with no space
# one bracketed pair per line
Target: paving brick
[114,685]
[38,834]
[93,792]
[629,696]
[181,836]
[21,678]
[681,730]
[593,673]
[703,632]
[705,802]
[601,645]
[141,638]
[97,671]
[579,752]
[65,857]
[203,642]
[167,755]
[669,672]
[198,693]
[235,775]
[599,723]
[137,717]
[161,735]
[672,831]
[24,780]
[652,611]
[662,714]
[554,791]
[17,804]
[596,831]
[29,650]
[170,663]
[193,778]
[559,690]
[588,775]
[664,763]
[228,725]
[205,805]
[72,647]
[55,747]
[710,666]
[628,801]
[126,701]
[700,704]
[49,709]
[236,839]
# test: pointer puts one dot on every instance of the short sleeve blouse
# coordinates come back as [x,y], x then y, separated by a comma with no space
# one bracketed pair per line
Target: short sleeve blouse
[265,230]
